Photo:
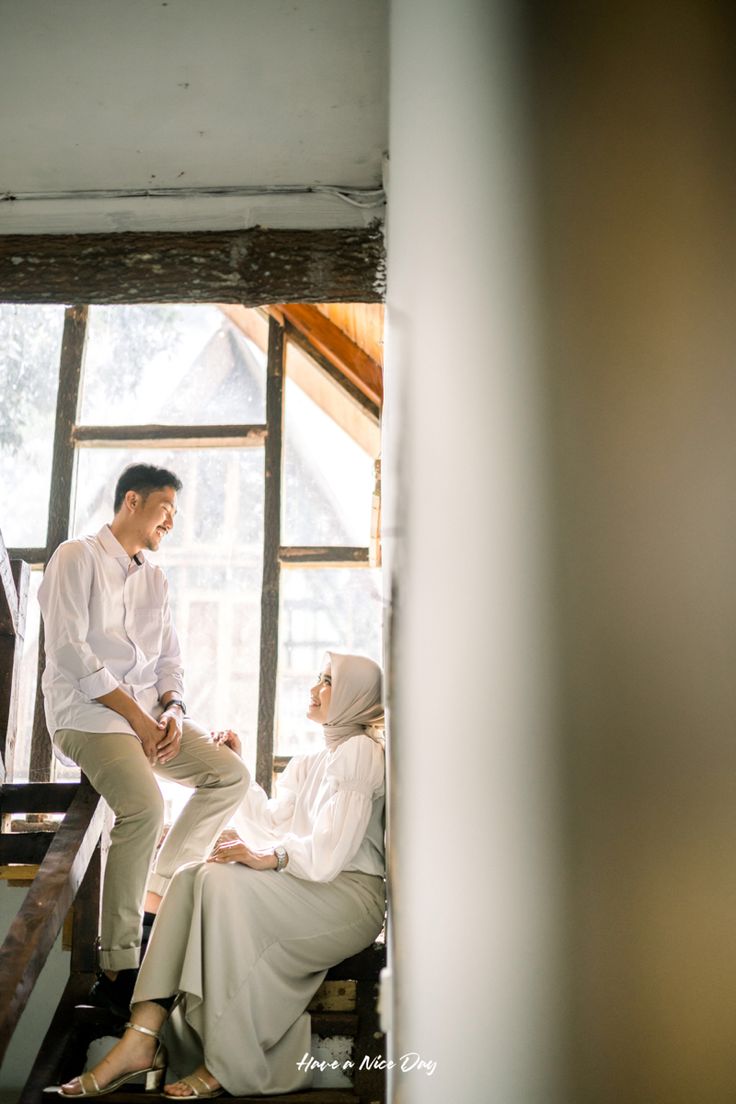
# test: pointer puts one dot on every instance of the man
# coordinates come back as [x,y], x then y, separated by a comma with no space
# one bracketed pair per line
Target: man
[113,690]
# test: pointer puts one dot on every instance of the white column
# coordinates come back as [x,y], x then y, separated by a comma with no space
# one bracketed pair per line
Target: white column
[474,851]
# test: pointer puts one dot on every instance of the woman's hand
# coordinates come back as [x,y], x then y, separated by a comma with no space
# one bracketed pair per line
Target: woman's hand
[228,739]
[226,836]
[235,850]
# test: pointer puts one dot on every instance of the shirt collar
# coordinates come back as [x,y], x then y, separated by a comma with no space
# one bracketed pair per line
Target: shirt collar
[113,547]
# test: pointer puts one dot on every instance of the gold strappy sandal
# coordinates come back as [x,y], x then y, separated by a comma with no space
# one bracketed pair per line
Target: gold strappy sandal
[154,1074]
[190,1081]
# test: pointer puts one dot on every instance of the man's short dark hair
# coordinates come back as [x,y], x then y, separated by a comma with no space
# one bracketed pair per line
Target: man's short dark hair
[144,478]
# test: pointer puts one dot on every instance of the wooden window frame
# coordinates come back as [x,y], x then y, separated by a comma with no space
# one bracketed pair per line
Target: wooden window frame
[254,268]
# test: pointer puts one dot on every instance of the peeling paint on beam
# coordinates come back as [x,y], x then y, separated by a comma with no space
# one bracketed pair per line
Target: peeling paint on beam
[251,267]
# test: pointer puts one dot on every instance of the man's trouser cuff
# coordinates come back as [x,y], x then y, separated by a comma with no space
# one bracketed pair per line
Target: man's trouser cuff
[125,959]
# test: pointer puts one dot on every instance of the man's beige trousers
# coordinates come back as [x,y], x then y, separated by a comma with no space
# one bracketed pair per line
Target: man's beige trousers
[118,769]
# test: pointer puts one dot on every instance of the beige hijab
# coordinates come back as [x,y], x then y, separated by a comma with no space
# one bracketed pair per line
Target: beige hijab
[356,704]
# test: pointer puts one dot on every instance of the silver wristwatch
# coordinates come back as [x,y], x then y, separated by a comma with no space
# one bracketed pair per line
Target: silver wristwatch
[281,858]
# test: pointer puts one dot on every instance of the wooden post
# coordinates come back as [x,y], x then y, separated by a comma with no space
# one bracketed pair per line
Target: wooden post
[271,546]
[62,473]
[14,583]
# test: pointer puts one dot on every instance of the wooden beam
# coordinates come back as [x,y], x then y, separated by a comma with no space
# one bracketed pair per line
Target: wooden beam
[328,369]
[251,267]
[329,340]
[280,763]
[60,497]
[250,321]
[169,436]
[86,917]
[34,930]
[24,847]
[271,566]
[316,376]
[362,322]
[15,873]
[37,797]
[293,556]
[32,556]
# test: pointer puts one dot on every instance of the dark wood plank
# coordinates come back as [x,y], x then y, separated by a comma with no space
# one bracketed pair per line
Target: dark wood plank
[86,917]
[24,847]
[327,1024]
[313,556]
[37,797]
[39,920]
[339,349]
[30,555]
[324,1024]
[58,1042]
[170,436]
[367,405]
[366,964]
[62,474]
[314,1096]
[271,544]
[250,267]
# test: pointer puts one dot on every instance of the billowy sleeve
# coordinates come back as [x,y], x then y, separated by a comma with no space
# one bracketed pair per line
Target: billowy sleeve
[64,597]
[353,778]
[259,820]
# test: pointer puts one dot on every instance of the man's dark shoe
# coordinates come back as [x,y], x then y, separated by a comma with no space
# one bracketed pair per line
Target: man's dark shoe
[114,996]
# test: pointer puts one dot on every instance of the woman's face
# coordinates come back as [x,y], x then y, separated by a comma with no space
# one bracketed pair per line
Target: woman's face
[319,697]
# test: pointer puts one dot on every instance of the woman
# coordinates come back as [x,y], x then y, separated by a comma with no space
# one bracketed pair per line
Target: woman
[242,942]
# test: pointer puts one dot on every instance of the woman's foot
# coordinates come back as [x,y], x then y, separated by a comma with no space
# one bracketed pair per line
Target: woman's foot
[134,1052]
[204,1084]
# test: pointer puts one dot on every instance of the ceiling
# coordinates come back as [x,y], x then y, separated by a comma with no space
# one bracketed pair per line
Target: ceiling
[181,94]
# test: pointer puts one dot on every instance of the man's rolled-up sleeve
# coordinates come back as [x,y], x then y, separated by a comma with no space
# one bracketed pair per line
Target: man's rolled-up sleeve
[64,599]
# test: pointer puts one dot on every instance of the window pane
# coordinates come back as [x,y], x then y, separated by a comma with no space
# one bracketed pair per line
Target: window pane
[213,561]
[328,478]
[320,609]
[27,689]
[170,364]
[30,344]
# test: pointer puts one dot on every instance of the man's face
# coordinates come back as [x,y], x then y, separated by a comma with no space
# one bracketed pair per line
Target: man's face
[154,517]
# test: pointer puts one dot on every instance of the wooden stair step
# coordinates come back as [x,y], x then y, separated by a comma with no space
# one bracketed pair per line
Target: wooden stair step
[37,797]
[97,1021]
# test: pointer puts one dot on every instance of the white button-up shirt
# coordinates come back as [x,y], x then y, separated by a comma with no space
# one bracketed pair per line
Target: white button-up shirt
[107,624]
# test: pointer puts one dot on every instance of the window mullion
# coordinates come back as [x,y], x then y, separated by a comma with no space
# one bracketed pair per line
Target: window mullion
[271,559]
[60,500]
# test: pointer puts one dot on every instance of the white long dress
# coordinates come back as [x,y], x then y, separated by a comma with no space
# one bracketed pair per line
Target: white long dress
[247,948]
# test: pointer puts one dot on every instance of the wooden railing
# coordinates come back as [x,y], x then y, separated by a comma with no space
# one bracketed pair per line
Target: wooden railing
[62,870]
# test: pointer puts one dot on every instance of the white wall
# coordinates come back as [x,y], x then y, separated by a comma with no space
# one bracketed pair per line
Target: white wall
[474,857]
[135,94]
